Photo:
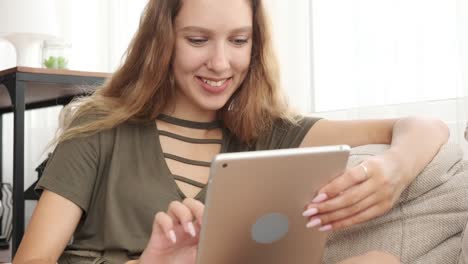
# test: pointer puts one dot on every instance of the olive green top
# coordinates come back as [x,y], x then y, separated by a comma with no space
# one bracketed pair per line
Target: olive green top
[119,177]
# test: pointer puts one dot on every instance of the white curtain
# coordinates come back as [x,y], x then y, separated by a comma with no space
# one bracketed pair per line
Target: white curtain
[99,32]
[292,35]
[377,58]
[391,58]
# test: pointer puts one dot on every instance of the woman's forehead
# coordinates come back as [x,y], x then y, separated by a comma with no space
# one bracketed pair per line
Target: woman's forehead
[214,15]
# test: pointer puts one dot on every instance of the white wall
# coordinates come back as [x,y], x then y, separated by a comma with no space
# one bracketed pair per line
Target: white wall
[7,55]
[40,126]
[291,36]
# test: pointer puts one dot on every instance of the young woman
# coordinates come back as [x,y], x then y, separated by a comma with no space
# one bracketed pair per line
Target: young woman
[199,78]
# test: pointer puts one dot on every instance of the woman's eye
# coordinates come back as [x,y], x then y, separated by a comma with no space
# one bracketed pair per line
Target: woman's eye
[239,42]
[196,41]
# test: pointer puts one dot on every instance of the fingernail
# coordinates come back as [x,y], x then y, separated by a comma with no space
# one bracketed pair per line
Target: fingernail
[310,212]
[191,229]
[314,222]
[325,228]
[320,198]
[172,236]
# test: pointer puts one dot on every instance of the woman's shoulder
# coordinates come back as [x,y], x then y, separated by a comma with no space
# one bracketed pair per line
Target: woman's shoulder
[105,140]
[286,133]
[299,121]
[89,119]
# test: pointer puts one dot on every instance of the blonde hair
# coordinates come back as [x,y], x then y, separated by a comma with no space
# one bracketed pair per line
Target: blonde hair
[140,89]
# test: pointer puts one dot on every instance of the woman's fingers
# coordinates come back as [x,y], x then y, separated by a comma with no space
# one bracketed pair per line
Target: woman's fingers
[350,178]
[365,215]
[362,193]
[369,208]
[324,221]
[177,224]
[182,214]
[196,207]
[348,198]
[163,223]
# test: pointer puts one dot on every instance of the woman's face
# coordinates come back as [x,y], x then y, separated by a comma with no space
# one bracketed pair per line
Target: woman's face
[212,53]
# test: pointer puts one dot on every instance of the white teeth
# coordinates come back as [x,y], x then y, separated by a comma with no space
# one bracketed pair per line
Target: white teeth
[213,83]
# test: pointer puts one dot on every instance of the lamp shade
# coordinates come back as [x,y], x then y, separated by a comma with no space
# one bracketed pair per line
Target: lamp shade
[32,17]
[26,23]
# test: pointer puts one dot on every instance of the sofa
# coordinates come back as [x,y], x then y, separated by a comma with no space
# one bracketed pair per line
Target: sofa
[426,224]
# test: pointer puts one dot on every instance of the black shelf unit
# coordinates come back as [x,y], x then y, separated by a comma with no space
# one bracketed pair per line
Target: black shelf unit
[24,88]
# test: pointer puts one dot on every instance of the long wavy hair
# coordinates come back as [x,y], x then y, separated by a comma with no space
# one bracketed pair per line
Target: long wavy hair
[142,87]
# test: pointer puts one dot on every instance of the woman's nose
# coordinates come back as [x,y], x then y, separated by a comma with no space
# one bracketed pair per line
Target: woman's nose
[219,60]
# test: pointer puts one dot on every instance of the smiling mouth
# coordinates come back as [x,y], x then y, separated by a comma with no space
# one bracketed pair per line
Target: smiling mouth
[214,83]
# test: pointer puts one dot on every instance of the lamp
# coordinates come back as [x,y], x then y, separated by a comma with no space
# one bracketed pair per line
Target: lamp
[26,23]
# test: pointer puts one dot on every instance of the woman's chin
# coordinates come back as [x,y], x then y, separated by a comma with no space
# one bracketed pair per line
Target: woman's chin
[212,106]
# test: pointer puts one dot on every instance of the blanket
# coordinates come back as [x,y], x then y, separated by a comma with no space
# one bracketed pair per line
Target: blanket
[425,225]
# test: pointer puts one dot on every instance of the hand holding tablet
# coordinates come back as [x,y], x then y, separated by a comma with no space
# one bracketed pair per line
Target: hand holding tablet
[255,203]
[254,210]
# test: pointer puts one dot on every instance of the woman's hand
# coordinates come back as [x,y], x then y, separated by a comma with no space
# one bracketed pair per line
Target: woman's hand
[174,238]
[360,194]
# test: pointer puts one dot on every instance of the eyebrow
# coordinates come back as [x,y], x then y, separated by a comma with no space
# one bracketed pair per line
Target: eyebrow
[247,29]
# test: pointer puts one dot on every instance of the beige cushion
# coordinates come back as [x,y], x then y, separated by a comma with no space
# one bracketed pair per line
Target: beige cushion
[426,224]
[464,254]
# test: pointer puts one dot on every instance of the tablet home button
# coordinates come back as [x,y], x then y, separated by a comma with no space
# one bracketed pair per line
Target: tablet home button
[270,228]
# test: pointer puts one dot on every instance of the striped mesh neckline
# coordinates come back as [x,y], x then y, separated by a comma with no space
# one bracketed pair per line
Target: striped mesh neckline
[190,124]
[194,125]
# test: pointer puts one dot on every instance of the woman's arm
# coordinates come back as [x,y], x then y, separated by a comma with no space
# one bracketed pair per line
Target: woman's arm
[52,225]
[414,141]
[357,196]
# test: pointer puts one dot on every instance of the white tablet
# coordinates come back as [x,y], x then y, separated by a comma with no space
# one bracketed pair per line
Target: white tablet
[254,205]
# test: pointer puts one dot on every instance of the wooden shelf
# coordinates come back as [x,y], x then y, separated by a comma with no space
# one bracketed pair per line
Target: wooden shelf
[56,72]
[46,87]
